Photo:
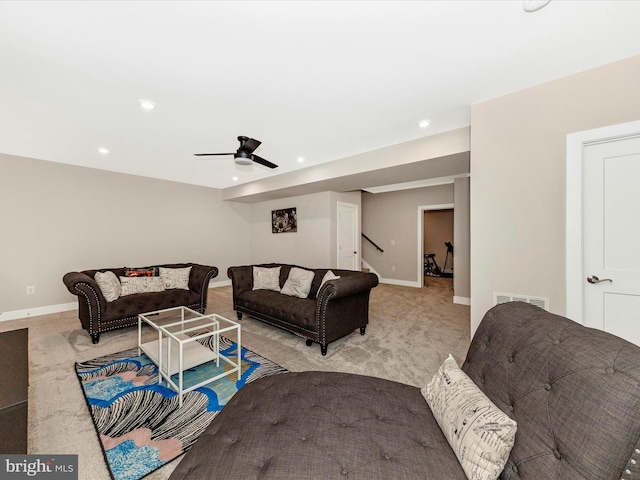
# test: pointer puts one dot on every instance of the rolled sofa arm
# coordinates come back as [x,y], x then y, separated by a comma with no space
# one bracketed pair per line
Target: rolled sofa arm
[79,283]
[201,275]
[241,278]
[199,280]
[348,285]
[91,301]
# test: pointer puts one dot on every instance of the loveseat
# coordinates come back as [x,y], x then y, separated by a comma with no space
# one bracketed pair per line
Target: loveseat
[98,315]
[324,315]
[573,391]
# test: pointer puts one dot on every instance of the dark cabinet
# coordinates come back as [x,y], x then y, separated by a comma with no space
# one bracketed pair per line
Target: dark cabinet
[14,383]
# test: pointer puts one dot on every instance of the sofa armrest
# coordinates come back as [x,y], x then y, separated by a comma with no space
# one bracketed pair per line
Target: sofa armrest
[347,285]
[81,284]
[200,277]
[241,281]
[91,301]
[241,278]
[199,281]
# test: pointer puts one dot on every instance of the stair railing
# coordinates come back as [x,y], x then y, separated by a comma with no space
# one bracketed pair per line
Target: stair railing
[373,243]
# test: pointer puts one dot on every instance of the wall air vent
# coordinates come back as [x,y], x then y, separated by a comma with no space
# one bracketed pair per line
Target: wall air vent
[541,302]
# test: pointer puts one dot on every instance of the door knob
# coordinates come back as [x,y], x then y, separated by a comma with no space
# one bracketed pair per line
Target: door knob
[593,279]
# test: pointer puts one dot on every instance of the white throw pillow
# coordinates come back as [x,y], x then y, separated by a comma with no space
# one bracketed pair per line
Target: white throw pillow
[480,434]
[266,278]
[109,285]
[131,285]
[298,283]
[175,277]
[328,276]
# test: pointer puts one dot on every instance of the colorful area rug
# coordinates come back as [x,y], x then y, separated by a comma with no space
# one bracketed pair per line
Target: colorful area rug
[140,425]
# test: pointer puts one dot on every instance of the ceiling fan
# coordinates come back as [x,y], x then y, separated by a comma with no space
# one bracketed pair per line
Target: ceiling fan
[244,155]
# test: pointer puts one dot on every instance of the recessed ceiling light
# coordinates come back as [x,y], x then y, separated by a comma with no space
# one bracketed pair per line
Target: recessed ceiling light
[300,159]
[103,150]
[235,179]
[423,123]
[147,104]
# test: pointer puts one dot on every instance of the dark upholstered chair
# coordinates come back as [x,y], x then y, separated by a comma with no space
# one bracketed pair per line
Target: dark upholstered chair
[97,315]
[573,391]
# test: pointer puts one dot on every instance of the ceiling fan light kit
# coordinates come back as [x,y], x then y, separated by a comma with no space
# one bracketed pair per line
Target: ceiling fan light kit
[242,158]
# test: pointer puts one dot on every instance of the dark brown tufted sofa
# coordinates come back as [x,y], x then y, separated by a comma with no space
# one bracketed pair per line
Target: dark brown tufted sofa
[97,315]
[327,314]
[573,391]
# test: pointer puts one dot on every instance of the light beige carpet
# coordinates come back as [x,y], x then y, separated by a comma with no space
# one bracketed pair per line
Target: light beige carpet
[410,333]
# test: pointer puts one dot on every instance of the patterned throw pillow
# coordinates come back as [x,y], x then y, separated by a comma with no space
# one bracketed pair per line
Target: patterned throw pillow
[141,272]
[131,285]
[480,434]
[109,285]
[298,283]
[265,278]
[175,277]
[328,276]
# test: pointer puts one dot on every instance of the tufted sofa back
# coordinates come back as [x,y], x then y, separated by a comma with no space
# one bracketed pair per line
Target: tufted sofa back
[244,275]
[574,392]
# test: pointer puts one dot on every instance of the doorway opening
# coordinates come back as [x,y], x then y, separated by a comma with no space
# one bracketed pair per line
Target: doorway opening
[435,242]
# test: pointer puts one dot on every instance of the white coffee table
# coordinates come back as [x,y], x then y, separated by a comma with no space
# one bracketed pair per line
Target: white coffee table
[177,348]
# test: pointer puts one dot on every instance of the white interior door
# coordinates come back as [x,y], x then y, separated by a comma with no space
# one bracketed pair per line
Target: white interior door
[611,237]
[348,255]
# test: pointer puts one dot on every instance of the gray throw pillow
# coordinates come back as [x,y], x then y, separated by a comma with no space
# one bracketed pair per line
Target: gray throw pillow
[131,285]
[327,276]
[298,283]
[175,277]
[266,278]
[109,285]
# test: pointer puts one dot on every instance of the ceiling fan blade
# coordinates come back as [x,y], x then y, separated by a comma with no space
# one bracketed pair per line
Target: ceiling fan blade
[250,145]
[262,161]
[207,154]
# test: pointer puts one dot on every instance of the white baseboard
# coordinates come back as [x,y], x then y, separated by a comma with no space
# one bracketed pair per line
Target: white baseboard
[65,307]
[403,283]
[36,311]
[462,300]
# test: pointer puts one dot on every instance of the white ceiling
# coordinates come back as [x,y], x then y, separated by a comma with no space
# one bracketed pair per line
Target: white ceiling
[319,80]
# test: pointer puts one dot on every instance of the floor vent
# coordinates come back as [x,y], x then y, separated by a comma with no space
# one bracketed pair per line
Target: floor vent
[541,302]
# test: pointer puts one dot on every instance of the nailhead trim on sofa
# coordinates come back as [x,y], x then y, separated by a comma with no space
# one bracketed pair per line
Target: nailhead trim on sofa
[91,302]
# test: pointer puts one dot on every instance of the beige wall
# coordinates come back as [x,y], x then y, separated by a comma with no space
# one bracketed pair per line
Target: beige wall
[313,245]
[58,218]
[461,242]
[518,151]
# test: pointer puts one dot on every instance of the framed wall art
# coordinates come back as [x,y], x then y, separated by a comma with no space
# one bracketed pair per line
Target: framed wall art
[284,220]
